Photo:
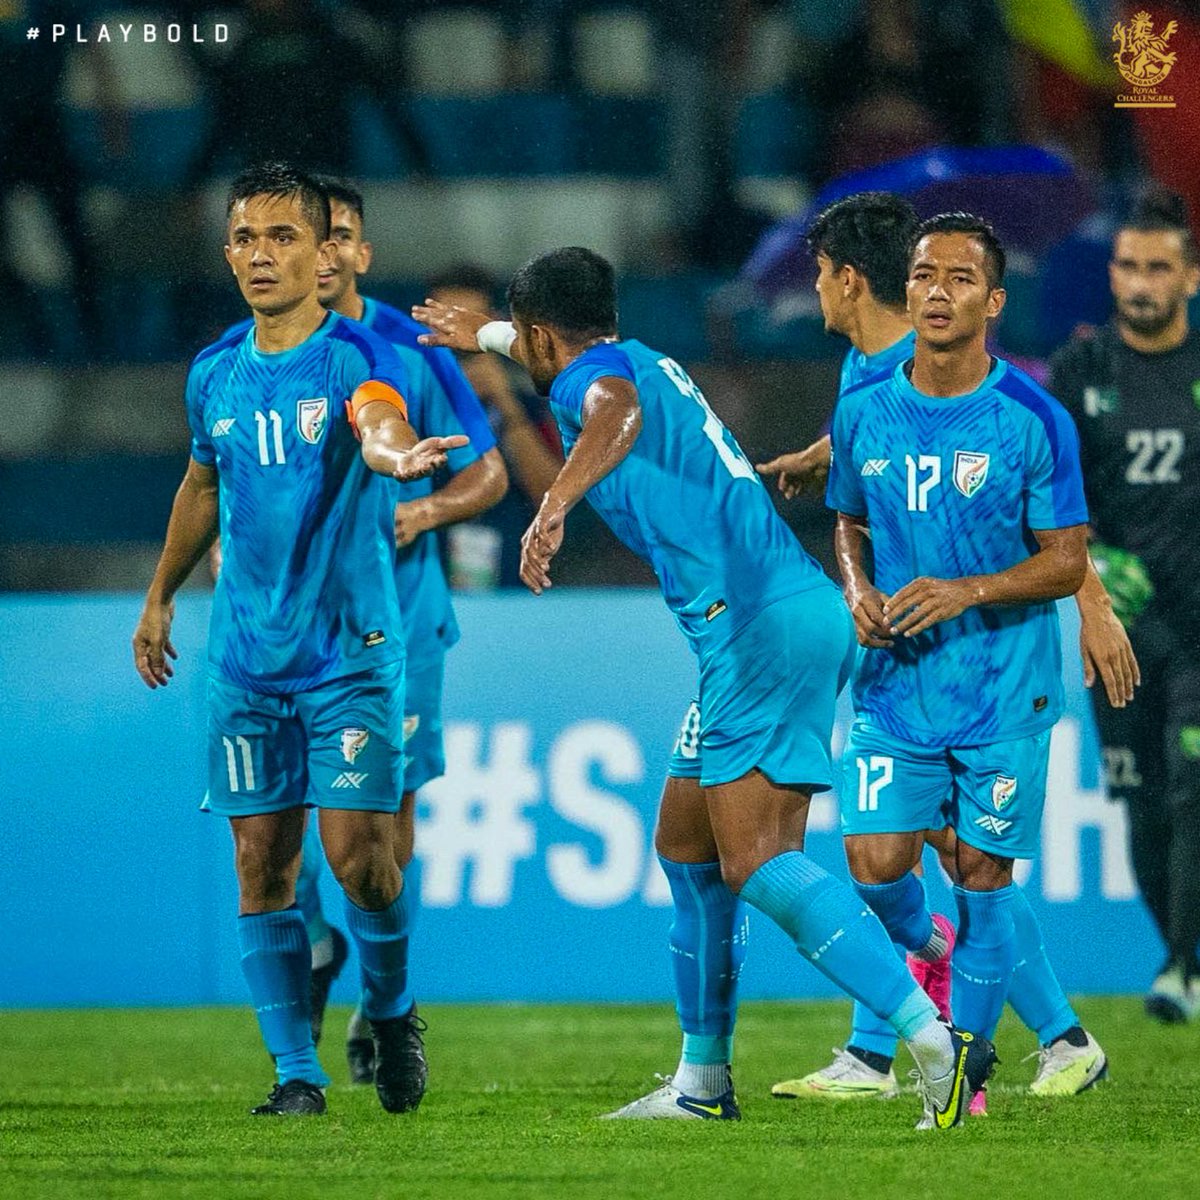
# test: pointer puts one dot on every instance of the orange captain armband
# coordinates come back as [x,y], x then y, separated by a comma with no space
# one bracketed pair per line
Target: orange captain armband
[368,393]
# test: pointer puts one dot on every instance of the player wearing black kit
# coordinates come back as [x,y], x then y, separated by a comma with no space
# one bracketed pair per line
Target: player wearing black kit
[1134,390]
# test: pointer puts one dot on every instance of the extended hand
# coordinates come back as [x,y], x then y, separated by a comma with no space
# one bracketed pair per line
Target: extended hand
[449,325]
[152,644]
[801,471]
[925,602]
[426,457]
[412,520]
[1106,651]
[539,545]
[870,624]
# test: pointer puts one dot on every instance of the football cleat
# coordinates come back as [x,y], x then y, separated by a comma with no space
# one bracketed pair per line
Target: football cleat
[846,1078]
[978,1105]
[360,1058]
[1173,999]
[946,1098]
[322,980]
[933,978]
[668,1103]
[1066,1070]
[401,1071]
[296,1098]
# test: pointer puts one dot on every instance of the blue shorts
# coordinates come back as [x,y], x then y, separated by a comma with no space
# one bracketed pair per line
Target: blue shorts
[767,696]
[337,746]
[424,749]
[992,795]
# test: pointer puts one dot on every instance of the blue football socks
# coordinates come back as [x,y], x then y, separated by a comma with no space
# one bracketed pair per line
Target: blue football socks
[984,957]
[840,936]
[902,909]
[708,946]
[276,963]
[1035,993]
[382,941]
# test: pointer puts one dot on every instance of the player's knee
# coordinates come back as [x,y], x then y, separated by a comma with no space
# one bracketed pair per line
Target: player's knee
[875,860]
[266,879]
[979,871]
[368,874]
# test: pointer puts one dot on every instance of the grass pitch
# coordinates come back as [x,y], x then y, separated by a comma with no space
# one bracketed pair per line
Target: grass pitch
[152,1103]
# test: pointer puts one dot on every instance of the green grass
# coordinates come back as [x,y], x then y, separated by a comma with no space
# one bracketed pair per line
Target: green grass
[152,1103]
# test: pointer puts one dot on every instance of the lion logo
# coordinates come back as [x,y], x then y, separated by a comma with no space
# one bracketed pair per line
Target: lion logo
[1143,58]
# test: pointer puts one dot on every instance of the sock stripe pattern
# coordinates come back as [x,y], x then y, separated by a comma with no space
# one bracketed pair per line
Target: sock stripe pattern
[841,937]
[1035,993]
[382,941]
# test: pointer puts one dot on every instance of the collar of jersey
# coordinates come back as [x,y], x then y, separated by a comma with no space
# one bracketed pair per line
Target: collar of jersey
[881,356]
[322,330]
[368,312]
[990,380]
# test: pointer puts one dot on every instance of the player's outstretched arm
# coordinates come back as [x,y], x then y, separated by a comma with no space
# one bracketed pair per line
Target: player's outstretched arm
[476,488]
[1103,643]
[461,329]
[863,598]
[1057,569]
[801,471]
[612,420]
[390,445]
[190,531]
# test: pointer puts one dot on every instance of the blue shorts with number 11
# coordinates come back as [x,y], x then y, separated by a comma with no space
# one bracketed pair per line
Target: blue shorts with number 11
[991,795]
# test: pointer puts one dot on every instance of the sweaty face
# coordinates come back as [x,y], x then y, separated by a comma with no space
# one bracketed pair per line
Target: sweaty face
[350,257]
[1151,279]
[274,252]
[949,300]
[832,294]
[535,350]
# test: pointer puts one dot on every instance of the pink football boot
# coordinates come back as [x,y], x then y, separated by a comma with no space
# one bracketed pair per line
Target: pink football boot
[934,977]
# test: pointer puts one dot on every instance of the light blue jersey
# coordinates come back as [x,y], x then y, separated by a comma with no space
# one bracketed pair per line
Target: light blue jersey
[440,403]
[307,591]
[686,499]
[858,368]
[954,487]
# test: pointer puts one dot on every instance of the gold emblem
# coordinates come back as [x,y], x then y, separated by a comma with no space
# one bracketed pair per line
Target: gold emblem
[1144,61]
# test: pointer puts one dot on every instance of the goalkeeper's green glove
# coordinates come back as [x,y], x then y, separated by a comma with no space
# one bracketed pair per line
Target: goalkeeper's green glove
[1125,579]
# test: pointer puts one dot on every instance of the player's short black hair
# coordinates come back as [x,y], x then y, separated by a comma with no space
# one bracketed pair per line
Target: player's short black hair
[468,275]
[1158,210]
[283,179]
[994,258]
[870,232]
[342,191]
[572,289]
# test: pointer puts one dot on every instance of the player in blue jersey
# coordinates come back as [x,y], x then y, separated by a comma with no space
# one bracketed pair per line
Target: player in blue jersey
[965,475]
[439,397]
[298,428]
[861,244]
[773,645]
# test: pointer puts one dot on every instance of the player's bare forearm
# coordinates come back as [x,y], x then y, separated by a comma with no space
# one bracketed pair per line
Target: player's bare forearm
[612,421]
[1056,570]
[1092,597]
[863,598]
[469,492]
[390,445]
[459,329]
[191,530]
[849,537]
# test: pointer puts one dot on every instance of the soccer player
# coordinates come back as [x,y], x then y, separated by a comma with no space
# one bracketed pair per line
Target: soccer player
[439,397]
[965,475]
[861,245]
[774,645]
[298,425]
[1133,388]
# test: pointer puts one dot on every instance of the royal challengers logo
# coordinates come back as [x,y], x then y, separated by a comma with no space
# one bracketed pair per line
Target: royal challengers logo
[970,470]
[1144,61]
[354,742]
[1003,790]
[311,416]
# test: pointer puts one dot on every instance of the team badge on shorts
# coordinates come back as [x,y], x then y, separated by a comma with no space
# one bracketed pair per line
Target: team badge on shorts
[354,742]
[970,470]
[1003,791]
[411,725]
[311,416]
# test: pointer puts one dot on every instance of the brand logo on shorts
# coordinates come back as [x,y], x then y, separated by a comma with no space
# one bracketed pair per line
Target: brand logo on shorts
[970,470]
[1003,791]
[350,779]
[354,742]
[411,725]
[222,427]
[311,416]
[993,824]
[874,467]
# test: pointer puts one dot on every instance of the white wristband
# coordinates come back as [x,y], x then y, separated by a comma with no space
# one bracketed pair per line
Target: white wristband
[497,337]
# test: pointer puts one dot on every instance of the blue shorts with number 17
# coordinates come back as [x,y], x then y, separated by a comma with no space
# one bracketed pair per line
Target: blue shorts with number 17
[992,795]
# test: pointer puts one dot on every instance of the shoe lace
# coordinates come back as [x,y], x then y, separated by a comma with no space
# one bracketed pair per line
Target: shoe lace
[1045,1056]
